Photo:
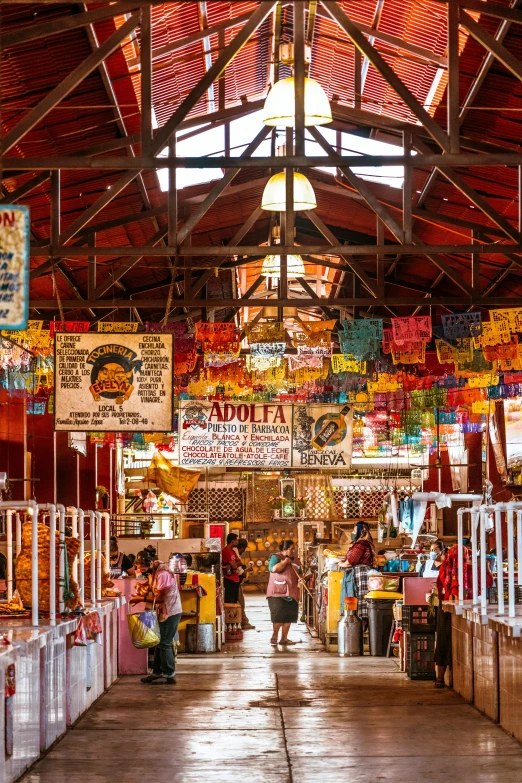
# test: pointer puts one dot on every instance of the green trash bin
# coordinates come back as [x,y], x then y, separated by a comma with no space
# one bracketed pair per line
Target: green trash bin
[380,621]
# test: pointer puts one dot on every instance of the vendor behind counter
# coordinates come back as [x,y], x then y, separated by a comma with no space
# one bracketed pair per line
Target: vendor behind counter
[120,563]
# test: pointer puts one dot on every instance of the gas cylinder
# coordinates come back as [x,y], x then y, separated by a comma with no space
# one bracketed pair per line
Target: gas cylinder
[350,634]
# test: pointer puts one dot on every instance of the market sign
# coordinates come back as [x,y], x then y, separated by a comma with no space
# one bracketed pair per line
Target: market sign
[322,436]
[14,267]
[229,434]
[264,435]
[121,383]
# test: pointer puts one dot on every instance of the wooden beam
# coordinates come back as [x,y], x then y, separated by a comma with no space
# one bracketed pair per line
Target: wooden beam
[188,40]
[479,201]
[220,187]
[363,188]
[354,265]
[380,64]
[224,59]
[499,51]
[25,189]
[363,301]
[453,110]
[146,79]
[67,85]
[33,32]
[163,135]
[258,251]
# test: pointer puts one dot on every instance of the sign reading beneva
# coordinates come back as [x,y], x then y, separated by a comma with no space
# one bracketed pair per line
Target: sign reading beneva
[264,435]
[14,267]
[113,383]
[226,434]
[322,436]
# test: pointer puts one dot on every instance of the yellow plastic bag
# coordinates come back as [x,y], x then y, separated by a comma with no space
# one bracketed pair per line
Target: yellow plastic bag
[144,629]
[384,594]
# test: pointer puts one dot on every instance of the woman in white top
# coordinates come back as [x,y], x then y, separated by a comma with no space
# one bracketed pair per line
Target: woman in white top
[430,569]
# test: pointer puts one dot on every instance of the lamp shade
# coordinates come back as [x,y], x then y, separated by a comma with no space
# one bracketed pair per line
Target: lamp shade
[274,194]
[279,108]
[272,266]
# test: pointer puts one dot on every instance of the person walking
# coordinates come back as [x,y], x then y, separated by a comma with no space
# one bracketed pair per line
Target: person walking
[231,569]
[246,625]
[283,592]
[162,592]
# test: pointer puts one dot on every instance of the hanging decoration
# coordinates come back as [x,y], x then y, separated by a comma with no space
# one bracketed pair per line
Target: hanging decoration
[414,329]
[461,325]
[118,327]
[265,332]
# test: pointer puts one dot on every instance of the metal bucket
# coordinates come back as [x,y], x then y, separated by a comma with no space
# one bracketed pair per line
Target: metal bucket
[206,638]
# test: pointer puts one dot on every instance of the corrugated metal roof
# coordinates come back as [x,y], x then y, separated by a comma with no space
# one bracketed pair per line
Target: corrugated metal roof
[30,70]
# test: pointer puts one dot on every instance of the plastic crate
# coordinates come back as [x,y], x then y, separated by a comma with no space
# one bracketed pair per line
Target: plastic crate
[493,599]
[418,618]
[421,656]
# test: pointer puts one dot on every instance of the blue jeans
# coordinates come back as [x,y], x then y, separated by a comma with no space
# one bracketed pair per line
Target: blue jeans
[163,652]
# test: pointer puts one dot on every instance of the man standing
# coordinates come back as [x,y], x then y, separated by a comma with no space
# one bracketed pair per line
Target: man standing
[246,625]
[232,568]
[162,590]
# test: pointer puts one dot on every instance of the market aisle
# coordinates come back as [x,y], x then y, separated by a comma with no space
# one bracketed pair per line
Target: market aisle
[259,715]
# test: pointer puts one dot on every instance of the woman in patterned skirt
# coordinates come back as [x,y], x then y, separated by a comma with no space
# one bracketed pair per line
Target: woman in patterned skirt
[360,557]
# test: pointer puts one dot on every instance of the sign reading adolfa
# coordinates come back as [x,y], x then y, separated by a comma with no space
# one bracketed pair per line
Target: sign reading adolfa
[264,435]
[119,384]
[226,434]
[322,436]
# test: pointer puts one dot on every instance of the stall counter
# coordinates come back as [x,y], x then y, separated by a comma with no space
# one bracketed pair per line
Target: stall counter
[130,660]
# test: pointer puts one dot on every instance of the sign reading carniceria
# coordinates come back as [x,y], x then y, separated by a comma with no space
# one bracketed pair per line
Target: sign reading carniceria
[113,385]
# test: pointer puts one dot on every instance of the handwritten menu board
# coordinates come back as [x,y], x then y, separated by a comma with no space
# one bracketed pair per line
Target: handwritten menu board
[114,383]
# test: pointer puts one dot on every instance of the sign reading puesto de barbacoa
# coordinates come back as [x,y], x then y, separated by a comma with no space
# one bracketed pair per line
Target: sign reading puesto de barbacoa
[113,383]
[264,435]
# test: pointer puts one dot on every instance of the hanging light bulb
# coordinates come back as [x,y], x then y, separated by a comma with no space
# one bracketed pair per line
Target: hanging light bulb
[274,194]
[272,266]
[279,108]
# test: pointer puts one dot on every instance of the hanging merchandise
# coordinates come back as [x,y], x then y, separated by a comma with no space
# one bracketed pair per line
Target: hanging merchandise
[265,332]
[342,363]
[176,328]
[298,362]
[513,316]
[462,325]
[415,353]
[411,330]
[68,326]
[494,333]
[216,336]
[118,327]
[362,338]
[507,350]
[317,327]
[461,353]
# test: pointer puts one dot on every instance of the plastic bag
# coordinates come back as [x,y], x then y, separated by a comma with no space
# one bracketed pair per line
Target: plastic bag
[80,635]
[144,629]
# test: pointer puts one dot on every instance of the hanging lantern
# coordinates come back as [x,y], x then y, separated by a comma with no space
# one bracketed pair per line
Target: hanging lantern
[274,194]
[272,266]
[279,108]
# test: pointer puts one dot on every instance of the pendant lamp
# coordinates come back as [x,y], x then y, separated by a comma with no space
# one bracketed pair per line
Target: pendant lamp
[272,266]
[279,108]
[274,194]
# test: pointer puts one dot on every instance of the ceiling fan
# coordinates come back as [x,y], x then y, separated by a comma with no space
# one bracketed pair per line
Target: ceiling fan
[437,465]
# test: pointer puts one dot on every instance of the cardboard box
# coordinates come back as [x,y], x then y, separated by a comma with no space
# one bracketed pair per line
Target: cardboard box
[233,613]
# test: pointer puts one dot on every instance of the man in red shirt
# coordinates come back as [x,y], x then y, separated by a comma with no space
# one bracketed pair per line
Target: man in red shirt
[231,569]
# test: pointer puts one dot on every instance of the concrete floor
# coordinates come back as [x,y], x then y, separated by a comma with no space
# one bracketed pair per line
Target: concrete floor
[258,714]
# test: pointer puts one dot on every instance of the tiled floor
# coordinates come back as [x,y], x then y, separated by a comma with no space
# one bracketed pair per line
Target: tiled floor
[269,715]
